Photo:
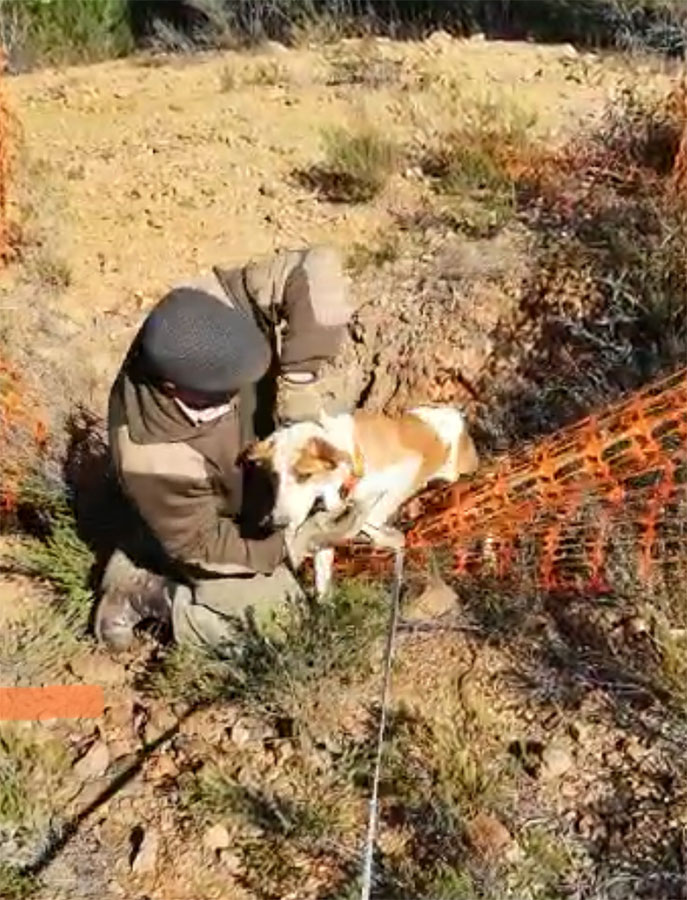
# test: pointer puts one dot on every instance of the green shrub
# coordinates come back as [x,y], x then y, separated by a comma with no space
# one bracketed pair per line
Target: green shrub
[357,165]
[64,31]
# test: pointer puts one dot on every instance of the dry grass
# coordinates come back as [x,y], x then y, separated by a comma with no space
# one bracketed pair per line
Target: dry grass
[14,885]
[357,165]
[32,771]
[474,167]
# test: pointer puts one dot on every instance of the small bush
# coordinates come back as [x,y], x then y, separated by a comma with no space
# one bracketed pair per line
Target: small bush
[475,167]
[364,69]
[228,80]
[314,646]
[185,674]
[30,773]
[61,557]
[362,256]
[357,165]
[644,128]
[14,884]
[64,31]
[269,73]
[52,272]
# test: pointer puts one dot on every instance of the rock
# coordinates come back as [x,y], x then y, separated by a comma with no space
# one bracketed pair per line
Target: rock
[274,47]
[90,794]
[94,763]
[162,720]
[283,752]
[241,733]
[97,668]
[634,749]
[119,715]
[489,837]
[145,859]
[555,761]
[569,52]
[121,747]
[439,38]
[578,731]
[437,598]
[478,38]
[216,838]
[163,766]
[231,862]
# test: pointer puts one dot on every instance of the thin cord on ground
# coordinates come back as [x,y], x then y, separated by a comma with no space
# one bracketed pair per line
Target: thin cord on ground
[368,852]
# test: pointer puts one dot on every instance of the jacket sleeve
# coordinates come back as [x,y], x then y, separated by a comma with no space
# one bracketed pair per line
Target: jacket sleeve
[185,517]
[308,290]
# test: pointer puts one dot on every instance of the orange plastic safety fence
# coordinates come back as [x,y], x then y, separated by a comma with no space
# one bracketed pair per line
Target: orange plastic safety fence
[23,436]
[563,503]
[4,164]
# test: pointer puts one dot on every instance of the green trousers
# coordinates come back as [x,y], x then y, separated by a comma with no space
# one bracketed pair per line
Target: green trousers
[205,615]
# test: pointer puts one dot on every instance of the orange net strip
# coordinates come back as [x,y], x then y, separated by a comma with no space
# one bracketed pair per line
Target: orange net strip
[4,164]
[619,476]
[23,436]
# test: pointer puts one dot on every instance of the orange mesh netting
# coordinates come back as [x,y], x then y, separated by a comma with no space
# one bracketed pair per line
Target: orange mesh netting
[617,478]
[23,436]
[4,163]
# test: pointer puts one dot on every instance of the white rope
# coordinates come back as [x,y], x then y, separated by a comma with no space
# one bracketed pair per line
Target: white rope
[368,852]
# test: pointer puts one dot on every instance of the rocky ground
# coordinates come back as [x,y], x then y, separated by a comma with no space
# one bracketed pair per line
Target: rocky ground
[530,753]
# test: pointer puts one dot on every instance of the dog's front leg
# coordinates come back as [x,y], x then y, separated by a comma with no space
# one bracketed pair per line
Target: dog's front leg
[385,536]
[324,567]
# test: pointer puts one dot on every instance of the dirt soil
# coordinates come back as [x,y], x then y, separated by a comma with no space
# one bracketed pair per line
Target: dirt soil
[135,175]
[140,174]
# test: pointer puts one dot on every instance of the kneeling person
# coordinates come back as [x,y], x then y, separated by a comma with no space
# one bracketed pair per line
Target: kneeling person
[176,428]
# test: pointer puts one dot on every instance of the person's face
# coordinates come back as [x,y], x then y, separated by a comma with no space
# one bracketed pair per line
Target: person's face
[196,399]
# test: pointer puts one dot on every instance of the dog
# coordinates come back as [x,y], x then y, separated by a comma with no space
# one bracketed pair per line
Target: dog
[375,461]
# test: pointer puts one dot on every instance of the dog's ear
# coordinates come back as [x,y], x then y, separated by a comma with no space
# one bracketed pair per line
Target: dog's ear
[317,457]
[257,452]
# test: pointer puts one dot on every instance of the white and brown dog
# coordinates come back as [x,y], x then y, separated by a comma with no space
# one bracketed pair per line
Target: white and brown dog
[371,460]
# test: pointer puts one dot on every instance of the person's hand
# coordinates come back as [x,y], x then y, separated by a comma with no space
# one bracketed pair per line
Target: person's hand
[323,529]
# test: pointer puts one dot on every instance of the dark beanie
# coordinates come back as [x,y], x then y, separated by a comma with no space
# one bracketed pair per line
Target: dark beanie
[201,344]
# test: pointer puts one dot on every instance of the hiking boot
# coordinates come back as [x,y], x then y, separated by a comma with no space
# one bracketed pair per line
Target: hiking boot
[129,596]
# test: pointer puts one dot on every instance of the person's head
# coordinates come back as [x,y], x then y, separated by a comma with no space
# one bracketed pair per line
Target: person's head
[202,350]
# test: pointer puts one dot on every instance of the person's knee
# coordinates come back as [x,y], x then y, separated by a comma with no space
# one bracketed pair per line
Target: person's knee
[329,287]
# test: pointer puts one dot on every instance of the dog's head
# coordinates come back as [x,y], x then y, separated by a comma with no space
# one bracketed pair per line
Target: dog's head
[306,468]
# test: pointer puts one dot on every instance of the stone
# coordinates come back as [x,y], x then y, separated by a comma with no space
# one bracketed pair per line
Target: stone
[489,837]
[231,862]
[555,761]
[90,793]
[145,860]
[436,600]
[241,733]
[275,48]
[440,37]
[163,766]
[97,668]
[216,838]
[162,720]
[94,763]
[284,751]
[578,731]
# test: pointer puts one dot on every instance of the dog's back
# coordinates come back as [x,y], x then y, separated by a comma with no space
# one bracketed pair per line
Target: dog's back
[449,424]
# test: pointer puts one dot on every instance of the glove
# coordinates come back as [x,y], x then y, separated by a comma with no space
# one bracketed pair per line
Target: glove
[324,529]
